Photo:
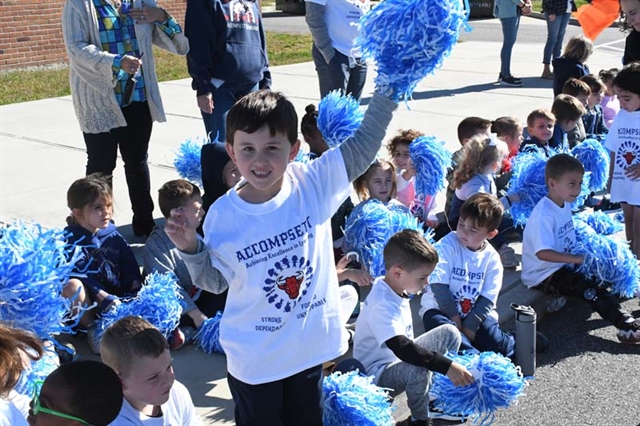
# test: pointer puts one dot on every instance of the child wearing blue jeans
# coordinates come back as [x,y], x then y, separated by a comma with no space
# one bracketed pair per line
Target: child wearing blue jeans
[465,284]
[270,236]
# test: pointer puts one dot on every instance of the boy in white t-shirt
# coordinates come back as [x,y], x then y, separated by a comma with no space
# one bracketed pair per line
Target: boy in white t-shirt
[384,342]
[465,285]
[549,239]
[270,236]
[139,354]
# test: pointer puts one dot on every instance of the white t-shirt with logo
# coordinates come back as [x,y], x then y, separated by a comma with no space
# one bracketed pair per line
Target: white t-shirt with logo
[384,315]
[283,309]
[549,227]
[177,411]
[624,140]
[469,274]
[342,18]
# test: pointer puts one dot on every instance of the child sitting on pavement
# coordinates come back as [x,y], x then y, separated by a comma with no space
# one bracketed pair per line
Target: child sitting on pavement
[540,126]
[270,236]
[593,120]
[581,91]
[508,130]
[139,354]
[483,158]
[161,255]
[549,238]
[465,284]
[108,269]
[384,341]
[609,103]
[78,393]
[568,111]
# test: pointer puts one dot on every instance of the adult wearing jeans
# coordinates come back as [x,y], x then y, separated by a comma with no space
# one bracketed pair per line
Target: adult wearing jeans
[228,57]
[108,43]
[557,14]
[334,27]
[509,11]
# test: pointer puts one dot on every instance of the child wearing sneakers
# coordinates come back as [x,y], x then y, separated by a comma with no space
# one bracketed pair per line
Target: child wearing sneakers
[161,255]
[270,236]
[465,284]
[139,354]
[483,158]
[549,238]
[384,341]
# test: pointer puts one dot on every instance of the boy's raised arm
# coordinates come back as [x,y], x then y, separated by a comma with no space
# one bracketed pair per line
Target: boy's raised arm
[360,150]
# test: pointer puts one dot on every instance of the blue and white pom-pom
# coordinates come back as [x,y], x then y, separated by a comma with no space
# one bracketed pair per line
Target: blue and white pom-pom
[498,384]
[595,159]
[208,336]
[339,117]
[302,157]
[431,161]
[351,399]
[371,225]
[159,301]
[31,379]
[35,265]
[187,161]
[528,182]
[584,192]
[608,261]
[409,39]
[601,222]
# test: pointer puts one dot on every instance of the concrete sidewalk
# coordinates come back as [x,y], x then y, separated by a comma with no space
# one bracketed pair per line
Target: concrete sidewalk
[42,152]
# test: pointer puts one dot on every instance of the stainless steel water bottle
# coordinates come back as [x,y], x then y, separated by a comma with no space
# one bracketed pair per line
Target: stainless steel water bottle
[525,338]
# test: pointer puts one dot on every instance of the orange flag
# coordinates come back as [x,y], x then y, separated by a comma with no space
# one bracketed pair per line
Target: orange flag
[597,16]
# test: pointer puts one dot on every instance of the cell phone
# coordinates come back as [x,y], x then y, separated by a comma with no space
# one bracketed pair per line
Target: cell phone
[128,90]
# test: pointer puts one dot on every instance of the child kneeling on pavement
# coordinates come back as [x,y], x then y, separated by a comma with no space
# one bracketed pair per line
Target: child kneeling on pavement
[384,340]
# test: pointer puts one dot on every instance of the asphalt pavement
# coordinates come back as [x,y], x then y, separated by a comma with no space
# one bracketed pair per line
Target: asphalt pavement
[586,377]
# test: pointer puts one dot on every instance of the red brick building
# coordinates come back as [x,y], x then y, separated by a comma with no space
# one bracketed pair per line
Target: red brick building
[31,35]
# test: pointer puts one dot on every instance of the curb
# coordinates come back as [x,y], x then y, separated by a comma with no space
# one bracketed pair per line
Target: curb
[572,21]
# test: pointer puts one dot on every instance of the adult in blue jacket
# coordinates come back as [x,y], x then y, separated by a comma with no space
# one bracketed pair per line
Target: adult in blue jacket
[509,11]
[227,58]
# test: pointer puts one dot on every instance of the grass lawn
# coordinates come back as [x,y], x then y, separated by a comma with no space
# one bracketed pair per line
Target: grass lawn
[23,86]
[537,4]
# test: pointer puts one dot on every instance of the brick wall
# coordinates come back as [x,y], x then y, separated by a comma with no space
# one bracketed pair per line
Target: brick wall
[30,33]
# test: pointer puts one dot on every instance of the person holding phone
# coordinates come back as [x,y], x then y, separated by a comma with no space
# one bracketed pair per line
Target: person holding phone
[106,55]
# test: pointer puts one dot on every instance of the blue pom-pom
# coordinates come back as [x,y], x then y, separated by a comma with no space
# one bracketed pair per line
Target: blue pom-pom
[208,336]
[528,182]
[31,379]
[353,400]
[608,261]
[339,117]
[602,223]
[595,159]
[498,384]
[369,227]
[159,301]
[187,161]
[35,264]
[584,192]
[431,161]
[409,40]
[619,217]
[302,157]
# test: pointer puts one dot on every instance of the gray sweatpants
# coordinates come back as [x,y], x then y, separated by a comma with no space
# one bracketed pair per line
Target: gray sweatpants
[401,376]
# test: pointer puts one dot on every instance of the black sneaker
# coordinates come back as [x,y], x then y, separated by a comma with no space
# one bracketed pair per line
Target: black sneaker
[437,413]
[606,205]
[510,81]
[409,422]
[629,330]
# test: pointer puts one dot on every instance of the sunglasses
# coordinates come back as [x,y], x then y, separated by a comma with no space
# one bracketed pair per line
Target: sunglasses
[36,408]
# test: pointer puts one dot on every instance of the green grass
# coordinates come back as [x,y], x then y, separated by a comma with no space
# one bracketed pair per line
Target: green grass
[537,4]
[23,86]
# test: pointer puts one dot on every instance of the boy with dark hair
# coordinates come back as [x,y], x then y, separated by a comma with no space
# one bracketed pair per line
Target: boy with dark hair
[549,238]
[581,91]
[161,255]
[80,392]
[593,120]
[139,354]
[467,128]
[467,280]
[540,127]
[384,341]
[270,236]
[568,111]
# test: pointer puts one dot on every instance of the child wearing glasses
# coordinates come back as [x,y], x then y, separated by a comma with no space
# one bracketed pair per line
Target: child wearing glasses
[139,354]
[68,396]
